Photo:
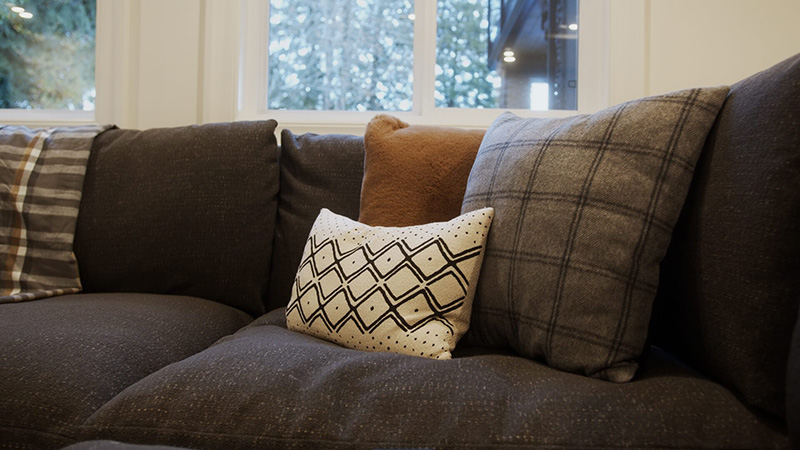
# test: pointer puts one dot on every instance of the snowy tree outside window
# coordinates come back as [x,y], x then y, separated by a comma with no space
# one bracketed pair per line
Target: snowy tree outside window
[350,55]
[358,55]
[47,54]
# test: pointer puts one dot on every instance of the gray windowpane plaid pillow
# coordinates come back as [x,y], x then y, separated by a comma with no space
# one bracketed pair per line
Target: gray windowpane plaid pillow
[584,211]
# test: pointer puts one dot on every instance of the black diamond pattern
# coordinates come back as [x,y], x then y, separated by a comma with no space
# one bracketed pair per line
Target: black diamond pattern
[370,284]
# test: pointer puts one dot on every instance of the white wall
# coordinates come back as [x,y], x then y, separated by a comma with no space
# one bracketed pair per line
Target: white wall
[169,72]
[175,62]
[702,43]
[666,45]
[156,71]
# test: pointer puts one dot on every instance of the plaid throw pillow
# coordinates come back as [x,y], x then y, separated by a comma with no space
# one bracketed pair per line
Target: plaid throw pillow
[584,211]
[41,182]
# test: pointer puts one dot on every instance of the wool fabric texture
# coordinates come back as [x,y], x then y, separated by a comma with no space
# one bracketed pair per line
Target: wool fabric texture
[41,183]
[584,210]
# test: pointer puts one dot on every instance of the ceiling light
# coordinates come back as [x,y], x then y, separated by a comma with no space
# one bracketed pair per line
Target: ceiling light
[18,9]
[573,26]
[509,59]
[26,15]
[508,53]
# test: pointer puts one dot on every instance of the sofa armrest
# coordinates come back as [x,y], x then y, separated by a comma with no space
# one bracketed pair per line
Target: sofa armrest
[793,389]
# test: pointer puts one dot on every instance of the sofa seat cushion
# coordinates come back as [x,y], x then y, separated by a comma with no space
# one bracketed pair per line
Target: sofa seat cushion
[114,445]
[269,387]
[62,358]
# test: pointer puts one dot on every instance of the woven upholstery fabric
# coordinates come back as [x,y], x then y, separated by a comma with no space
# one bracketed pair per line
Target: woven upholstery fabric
[181,211]
[317,171]
[730,277]
[793,389]
[115,445]
[414,174]
[584,209]
[266,387]
[62,358]
[397,289]
[41,180]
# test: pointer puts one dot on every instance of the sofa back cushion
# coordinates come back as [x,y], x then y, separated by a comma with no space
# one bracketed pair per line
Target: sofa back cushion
[183,211]
[317,171]
[729,289]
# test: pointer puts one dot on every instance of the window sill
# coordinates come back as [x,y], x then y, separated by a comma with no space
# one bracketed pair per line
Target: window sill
[37,118]
[351,122]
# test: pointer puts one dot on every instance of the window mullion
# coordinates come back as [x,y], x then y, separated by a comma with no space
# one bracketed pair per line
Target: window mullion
[424,57]
[253,51]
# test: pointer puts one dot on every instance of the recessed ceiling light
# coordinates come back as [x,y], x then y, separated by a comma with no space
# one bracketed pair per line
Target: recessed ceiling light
[509,59]
[573,26]
[26,15]
[508,53]
[18,9]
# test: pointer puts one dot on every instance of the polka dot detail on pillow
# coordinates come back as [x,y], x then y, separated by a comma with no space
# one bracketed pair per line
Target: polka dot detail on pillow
[395,289]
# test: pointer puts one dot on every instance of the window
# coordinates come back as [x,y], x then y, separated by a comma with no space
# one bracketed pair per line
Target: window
[438,62]
[533,45]
[489,50]
[47,54]
[464,76]
[341,55]
[359,55]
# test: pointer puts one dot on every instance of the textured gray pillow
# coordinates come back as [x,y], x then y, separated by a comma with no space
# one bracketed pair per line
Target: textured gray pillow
[584,210]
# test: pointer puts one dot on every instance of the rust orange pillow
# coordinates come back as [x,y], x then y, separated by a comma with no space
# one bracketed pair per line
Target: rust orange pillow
[414,174]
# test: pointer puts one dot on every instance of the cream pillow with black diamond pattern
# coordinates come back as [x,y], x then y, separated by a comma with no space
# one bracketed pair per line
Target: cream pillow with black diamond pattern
[402,290]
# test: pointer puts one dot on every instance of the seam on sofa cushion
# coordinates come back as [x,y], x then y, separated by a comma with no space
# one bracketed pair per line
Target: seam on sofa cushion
[99,434]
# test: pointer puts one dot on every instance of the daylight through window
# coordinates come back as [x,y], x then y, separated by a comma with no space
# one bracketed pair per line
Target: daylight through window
[47,54]
[535,52]
[359,55]
[341,55]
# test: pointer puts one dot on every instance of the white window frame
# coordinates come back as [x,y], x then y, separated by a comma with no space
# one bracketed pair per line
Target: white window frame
[45,117]
[593,80]
[106,20]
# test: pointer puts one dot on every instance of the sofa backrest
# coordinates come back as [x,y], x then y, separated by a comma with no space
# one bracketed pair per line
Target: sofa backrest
[793,390]
[182,211]
[730,283]
[317,171]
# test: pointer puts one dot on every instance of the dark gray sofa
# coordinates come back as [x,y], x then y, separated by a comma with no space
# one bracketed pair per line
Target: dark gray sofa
[188,240]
